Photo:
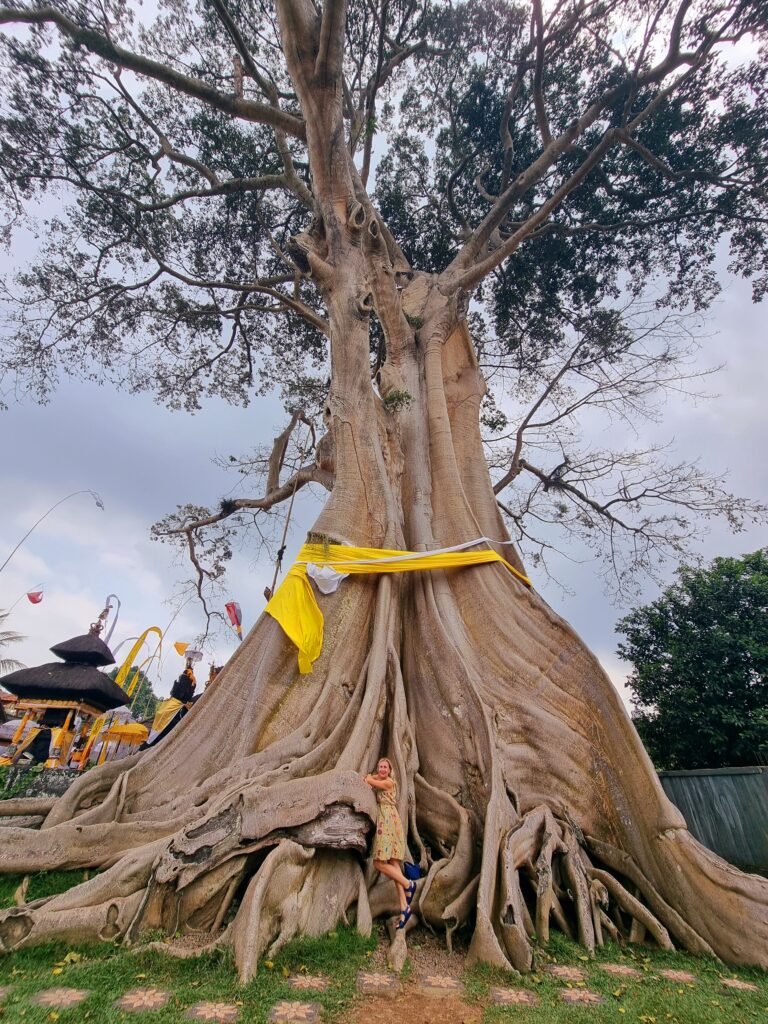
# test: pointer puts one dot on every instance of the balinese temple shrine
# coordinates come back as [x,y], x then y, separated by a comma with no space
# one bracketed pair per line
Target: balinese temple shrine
[62,703]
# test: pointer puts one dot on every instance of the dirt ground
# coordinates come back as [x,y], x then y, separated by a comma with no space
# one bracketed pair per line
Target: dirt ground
[428,956]
[427,952]
[411,1006]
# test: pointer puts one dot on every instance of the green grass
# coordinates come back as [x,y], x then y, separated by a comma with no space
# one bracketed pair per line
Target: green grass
[44,883]
[109,971]
[650,999]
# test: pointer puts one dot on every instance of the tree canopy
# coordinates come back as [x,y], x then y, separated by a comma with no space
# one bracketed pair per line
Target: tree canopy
[144,701]
[572,172]
[700,666]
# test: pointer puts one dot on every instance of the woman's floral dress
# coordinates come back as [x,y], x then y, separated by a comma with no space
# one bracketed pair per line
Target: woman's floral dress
[389,843]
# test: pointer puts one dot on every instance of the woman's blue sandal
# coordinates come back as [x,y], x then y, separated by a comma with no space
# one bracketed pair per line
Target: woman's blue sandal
[404,918]
[410,892]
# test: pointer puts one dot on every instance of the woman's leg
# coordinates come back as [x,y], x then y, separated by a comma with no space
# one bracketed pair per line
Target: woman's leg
[401,889]
[392,870]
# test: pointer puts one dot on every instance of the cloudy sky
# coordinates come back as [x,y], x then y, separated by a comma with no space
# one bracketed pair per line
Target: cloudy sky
[143,460]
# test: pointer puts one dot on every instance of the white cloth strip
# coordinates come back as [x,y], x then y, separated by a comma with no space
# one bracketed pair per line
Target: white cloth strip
[326,578]
[411,554]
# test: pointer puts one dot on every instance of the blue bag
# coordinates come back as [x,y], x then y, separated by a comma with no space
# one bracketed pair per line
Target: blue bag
[411,871]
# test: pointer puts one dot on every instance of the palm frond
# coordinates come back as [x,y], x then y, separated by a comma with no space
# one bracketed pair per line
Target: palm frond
[10,665]
[8,636]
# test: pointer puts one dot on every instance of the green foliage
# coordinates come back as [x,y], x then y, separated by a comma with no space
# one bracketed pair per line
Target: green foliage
[15,782]
[396,400]
[573,270]
[227,506]
[146,181]
[371,127]
[144,701]
[700,666]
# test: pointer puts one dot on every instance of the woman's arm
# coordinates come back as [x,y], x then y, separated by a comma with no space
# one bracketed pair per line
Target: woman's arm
[377,783]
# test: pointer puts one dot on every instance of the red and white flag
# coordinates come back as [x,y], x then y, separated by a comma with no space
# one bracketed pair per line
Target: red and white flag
[235,617]
[35,596]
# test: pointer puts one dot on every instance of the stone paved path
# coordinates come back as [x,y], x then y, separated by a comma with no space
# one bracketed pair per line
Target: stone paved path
[214,1013]
[60,998]
[289,1012]
[580,997]
[143,1000]
[440,986]
[681,976]
[742,986]
[563,973]
[620,970]
[375,983]
[513,997]
[308,982]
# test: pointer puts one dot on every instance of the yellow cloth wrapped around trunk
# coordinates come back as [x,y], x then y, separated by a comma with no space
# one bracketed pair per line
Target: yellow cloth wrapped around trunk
[294,604]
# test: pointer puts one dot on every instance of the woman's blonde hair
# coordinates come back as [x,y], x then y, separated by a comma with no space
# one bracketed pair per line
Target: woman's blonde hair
[391,767]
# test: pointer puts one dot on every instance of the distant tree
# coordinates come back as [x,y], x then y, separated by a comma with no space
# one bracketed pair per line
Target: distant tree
[700,656]
[144,701]
[8,636]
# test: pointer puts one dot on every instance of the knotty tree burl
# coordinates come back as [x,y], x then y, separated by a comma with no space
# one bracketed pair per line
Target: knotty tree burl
[544,157]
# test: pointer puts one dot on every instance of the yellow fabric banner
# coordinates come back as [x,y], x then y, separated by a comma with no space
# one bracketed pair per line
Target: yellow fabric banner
[125,668]
[295,607]
[166,709]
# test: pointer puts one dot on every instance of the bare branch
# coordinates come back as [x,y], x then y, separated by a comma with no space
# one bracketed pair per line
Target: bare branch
[231,186]
[280,447]
[308,474]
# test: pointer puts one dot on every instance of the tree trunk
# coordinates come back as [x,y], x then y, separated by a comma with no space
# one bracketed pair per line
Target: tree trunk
[528,795]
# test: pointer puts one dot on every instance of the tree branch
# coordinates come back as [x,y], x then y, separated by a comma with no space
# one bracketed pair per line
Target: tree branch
[475,274]
[270,90]
[456,274]
[538,76]
[331,49]
[264,183]
[98,44]
[306,475]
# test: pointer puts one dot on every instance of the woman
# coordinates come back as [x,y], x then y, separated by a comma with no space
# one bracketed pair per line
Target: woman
[389,844]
